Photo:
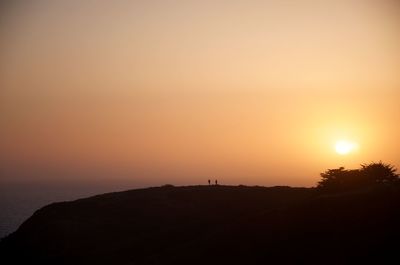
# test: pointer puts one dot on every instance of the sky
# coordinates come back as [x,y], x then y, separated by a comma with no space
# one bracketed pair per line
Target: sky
[156,92]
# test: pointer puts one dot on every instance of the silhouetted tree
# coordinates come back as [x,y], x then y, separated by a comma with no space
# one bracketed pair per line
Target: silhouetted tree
[372,174]
[339,179]
[380,173]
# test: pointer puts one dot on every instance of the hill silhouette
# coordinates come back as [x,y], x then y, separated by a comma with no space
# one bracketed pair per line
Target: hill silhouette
[212,225]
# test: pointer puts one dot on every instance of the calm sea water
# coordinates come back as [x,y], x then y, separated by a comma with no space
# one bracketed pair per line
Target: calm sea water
[18,201]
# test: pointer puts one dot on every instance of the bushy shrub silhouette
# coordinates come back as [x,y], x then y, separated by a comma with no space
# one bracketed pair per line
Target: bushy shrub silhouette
[369,175]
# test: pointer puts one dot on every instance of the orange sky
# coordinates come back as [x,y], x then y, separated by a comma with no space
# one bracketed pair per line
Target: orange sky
[253,92]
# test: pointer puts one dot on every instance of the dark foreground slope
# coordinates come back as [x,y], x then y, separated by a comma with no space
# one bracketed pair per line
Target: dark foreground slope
[213,225]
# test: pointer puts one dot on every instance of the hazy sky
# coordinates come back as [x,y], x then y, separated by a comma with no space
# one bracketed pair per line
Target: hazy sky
[252,92]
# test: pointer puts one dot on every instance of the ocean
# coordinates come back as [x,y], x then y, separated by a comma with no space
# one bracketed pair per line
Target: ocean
[18,201]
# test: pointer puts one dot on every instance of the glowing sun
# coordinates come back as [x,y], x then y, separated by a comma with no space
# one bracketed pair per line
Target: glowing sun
[344,147]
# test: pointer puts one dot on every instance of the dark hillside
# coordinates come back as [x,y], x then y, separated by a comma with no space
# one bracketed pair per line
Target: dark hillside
[212,225]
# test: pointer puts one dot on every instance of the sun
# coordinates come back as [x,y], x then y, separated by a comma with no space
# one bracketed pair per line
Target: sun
[344,147]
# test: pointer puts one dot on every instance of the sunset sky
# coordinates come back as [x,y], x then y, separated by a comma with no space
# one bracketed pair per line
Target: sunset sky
[155,92]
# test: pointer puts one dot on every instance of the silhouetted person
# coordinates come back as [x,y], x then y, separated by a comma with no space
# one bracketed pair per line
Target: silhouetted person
[209,182]
[216,182]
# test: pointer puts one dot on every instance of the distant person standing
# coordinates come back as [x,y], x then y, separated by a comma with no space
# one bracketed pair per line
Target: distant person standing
[209,182]
[216,182]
